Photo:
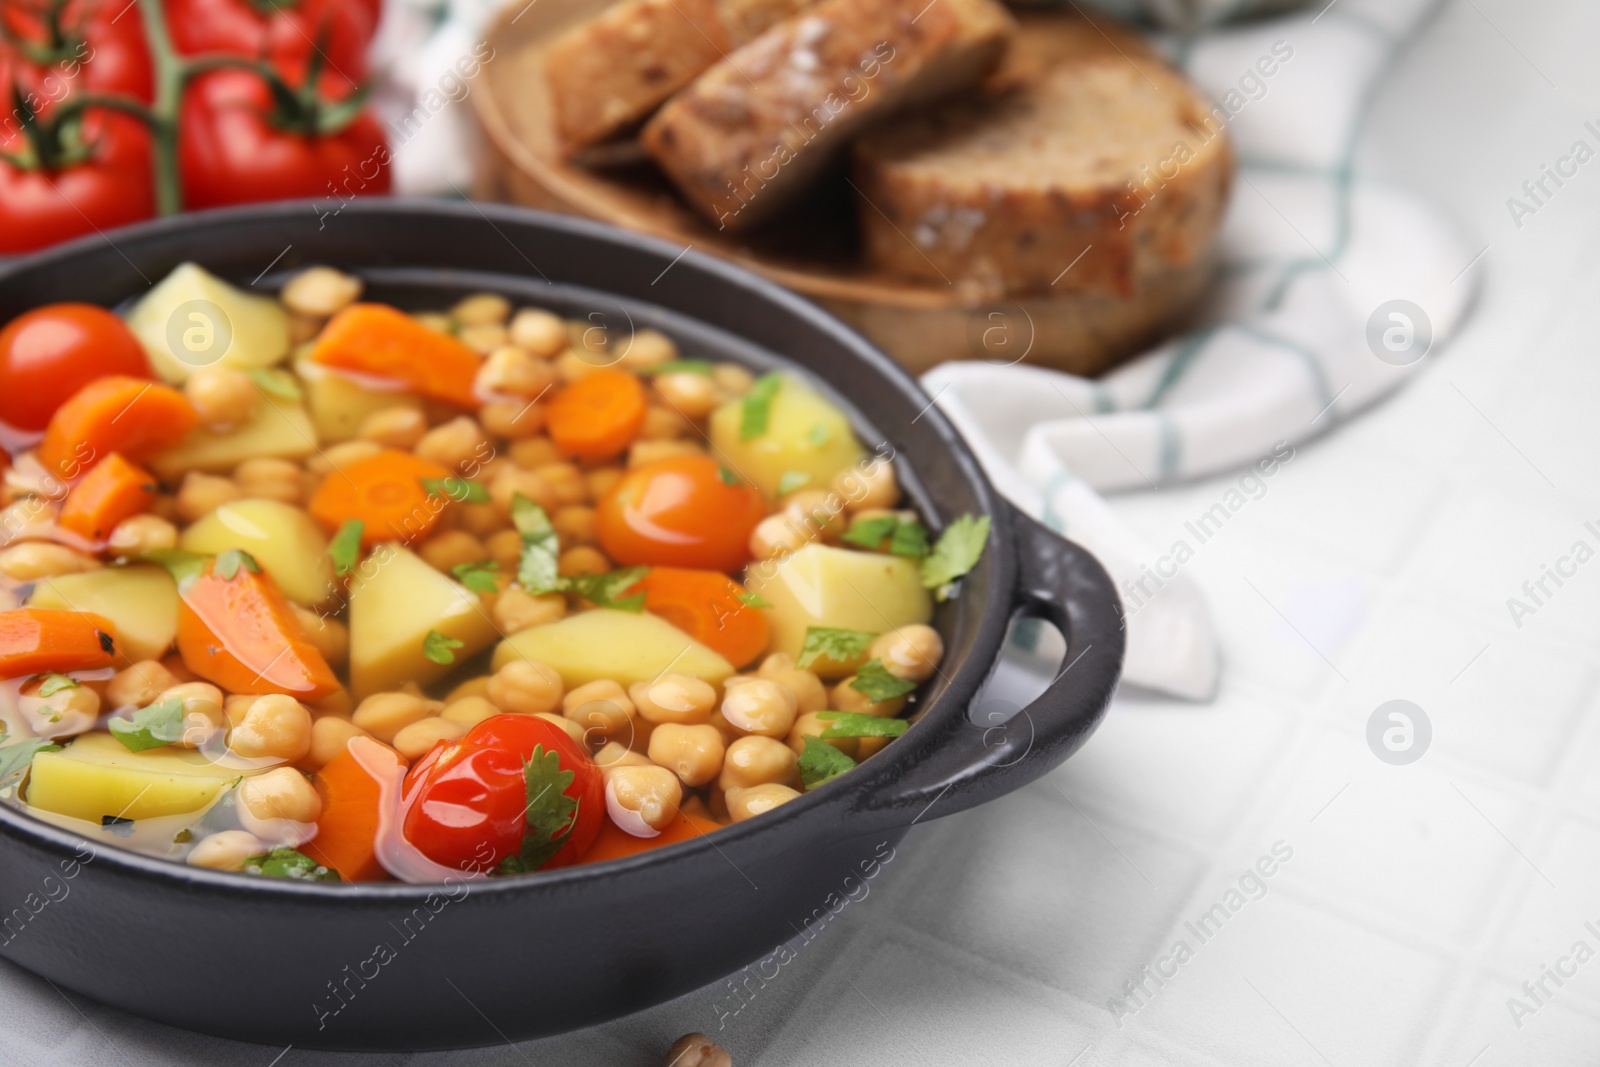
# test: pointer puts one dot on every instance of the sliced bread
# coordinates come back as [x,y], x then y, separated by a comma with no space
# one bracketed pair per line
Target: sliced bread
[754,131]
[1095,172]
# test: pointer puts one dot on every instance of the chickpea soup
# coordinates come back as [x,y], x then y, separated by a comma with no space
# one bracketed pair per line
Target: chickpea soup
[354,593]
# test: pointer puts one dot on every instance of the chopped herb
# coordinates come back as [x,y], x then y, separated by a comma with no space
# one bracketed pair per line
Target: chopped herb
[154,726]
[478,576]
[857,724]
[879,685]
[439,648]
[278,383]
[17,757]
[910,539]
[536,570]
[821,762]
[758,406]
[118,825]
[871,533]
[841,646]
[184,567]
[789,481]
[957,552]
[551,814]
[51,684]
[682,366]
[289,863]
[753,600]
[345,548]
[906,537]
[183,837]
[229,562]
[461,490]
[728,477]
[605,590]
[820,435]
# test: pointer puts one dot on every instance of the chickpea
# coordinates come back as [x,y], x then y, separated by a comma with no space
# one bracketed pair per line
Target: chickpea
[643,801]
[414,741]
[757,760]
[643,452]
[757,800]
[64,713]
[482,309]
[482,520]
[509,483]
[820,512]
[868,485]
[515,610]
[575,523]
[601,708]
[32,560]
[585,559]
[445,550]
[601,481]
[320,292]
[221,396]
[732,379]
[574,731]
[649,348]
[808,725]
[330,636]
[226,850]
[338,703]
[397,427]
[138,685]
[690,393]
[533,453]
[909,652]
[526,688]
[509,371]
[330,736]
[777,536]
[589,335]
[468,710]
[871,746]
[809,692]
[614,754]
[436,321]
[505,548]
[543,334]
[275,726]
[760,706]
[676,698]
[201,494]
[279,806]
[234,707]
[341,456]
[454,444]
[697,1050]
[202,711]
[845,697]
[483,338]
[269,479]
[693,753]
[512,419]
[572,365]
[662,423]
[303,328]
[29,519]
[472,687]
[385,714]
[566,481]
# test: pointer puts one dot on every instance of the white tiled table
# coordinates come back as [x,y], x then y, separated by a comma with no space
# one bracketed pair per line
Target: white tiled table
[1418,898]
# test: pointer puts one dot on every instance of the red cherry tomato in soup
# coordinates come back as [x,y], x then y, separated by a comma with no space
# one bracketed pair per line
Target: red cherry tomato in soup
[503,792]
[48,353]
[686,511]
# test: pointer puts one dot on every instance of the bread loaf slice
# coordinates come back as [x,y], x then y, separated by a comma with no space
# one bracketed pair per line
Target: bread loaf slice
[1094,173]
[609,73]
[755,130]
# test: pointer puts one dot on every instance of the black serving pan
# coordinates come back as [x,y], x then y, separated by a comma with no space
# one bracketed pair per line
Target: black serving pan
[394,966]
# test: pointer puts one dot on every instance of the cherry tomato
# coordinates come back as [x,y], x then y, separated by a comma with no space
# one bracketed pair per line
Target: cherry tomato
[237,149]
[282,32]
[46,354]
[686,511]
[467,804]
[111,185]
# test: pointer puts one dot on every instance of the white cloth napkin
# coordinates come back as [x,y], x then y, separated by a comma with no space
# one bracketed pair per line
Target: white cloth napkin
[1309,254]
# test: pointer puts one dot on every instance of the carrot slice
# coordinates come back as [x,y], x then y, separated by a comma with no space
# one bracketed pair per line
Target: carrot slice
[614,843]
[597,416]
[385,342]
[41,640]
[385,493]
[706,605]
[133,416]
[113,490]
[238,631]
[347,831]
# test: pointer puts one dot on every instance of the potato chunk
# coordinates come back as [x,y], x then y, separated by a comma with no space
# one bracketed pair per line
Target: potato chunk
[285,540]
[142,601]
[622,646]
[806,437]
[395,601]
[96,776]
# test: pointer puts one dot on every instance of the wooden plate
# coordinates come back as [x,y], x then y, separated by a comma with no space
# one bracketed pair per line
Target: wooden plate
[813,250]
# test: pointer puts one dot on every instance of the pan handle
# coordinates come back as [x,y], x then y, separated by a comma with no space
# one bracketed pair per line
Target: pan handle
[973,763]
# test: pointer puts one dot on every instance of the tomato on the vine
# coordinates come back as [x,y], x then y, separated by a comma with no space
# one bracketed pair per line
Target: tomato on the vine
[282,32]
[83,176]
[515,794]
[685,511]
[46,354]
[97,46]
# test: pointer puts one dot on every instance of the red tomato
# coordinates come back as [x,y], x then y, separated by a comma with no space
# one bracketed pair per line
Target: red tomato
[686,511]
[284,32]
[235,148]
[96,45]
[111,186]
[467,804]
[47,353]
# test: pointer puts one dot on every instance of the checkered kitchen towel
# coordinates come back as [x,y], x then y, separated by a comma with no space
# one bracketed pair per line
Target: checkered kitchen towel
[1332,290]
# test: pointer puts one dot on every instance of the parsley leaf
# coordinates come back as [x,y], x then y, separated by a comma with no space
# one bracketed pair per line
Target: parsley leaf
[753,600]
[758,406]
[957,552]
[478,576]
[229,562]
[536,570]
[681,366]
[345,548]
[906,537]
[17,757]
[909,539]
[184,566]
[605,590]
[289,863]
[789,481]
[460,490]
[728,477]
[51,684]
[551,813]
[857,724]
[841,646]
[879,685]
[276,383]
[439,648]
[155,726]
[871,533]
[821,762]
